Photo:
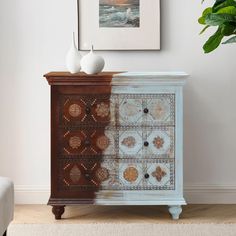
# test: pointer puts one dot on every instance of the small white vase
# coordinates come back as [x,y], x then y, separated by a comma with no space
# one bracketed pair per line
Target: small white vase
[73,58]
[92,63]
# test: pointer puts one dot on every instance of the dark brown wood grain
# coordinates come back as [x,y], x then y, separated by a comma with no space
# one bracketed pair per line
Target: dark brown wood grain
[66,78]
[58,211]
[69,85]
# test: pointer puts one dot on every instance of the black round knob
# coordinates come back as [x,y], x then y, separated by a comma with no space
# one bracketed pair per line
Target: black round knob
[146,144]
[87,110]
[145,110]
[87,142]
[146,176]
[87,176]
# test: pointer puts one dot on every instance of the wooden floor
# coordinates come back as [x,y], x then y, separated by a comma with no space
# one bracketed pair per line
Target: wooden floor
[41,214]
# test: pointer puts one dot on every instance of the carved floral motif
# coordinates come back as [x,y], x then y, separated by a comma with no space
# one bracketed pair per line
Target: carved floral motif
[75,110]
[130,109]
[75,174]
[103,142]
[102,110]
[158,142]
[102,174]
[159,174]
[130,174]
[129,142]
[75,142]
[159,110]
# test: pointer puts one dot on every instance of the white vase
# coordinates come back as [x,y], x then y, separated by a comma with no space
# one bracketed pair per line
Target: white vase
[73,58]
[92,63]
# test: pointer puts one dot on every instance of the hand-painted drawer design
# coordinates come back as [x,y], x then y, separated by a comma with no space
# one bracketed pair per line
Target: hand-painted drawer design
[147,142]
[87,142]
[111,174]
[87,110]
[147,110]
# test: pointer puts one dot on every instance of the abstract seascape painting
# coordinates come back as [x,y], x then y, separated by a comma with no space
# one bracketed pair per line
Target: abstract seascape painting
[119,13]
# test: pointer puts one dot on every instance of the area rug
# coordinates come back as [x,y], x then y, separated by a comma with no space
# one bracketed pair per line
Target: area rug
[132,229]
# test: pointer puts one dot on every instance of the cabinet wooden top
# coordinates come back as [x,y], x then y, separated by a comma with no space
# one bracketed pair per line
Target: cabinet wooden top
[66,78]
[117,78]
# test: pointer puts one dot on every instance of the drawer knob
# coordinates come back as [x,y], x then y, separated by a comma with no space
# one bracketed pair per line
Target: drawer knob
[146,176]
[145,110]
[87,176]
[87,142]
[146,144]
[87,110]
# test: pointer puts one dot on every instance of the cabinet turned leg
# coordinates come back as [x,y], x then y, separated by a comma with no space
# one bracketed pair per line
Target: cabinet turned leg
[58,211]
[175,211]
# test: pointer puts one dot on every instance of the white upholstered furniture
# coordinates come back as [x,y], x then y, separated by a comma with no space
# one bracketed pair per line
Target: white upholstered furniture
[6,204]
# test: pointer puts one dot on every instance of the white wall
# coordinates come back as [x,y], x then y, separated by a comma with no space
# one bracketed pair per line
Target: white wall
[34,38]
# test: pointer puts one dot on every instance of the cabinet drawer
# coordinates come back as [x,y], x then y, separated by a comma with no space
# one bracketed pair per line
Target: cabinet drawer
[118,110]
[120,142]
[113,174]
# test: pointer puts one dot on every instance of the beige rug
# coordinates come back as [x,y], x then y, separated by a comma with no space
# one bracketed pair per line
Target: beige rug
[122,229]
[196,220]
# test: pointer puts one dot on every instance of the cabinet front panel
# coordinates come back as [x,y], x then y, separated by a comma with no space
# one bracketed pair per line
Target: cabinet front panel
[114,142]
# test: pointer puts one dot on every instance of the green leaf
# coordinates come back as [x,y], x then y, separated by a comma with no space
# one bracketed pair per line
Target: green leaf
[217,4]
[227,29]
[228,10]
[219,19]
[213,42]
[231,40]
[204,29]
[202,19]
[223,3]
[207,11]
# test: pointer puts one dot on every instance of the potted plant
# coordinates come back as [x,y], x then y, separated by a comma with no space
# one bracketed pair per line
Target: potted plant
[223,16]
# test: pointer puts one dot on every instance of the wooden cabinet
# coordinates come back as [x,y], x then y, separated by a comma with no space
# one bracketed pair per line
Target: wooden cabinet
[116,139]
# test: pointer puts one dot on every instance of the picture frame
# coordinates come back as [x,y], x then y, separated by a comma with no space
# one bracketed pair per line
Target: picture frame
[119,24]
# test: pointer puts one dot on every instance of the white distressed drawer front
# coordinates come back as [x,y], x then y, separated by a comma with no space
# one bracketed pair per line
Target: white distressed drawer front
[146,110]
[156,142]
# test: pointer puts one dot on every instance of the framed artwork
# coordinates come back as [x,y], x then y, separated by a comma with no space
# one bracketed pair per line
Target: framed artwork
[119,24]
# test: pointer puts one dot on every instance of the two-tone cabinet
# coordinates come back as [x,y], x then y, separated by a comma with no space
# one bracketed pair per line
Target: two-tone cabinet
[117,139]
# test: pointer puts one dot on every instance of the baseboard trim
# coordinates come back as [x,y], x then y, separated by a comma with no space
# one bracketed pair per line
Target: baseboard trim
[210,194]
[194,194]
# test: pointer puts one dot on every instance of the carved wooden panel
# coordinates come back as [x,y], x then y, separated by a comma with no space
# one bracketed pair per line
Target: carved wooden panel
[87,110]
[87,142]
